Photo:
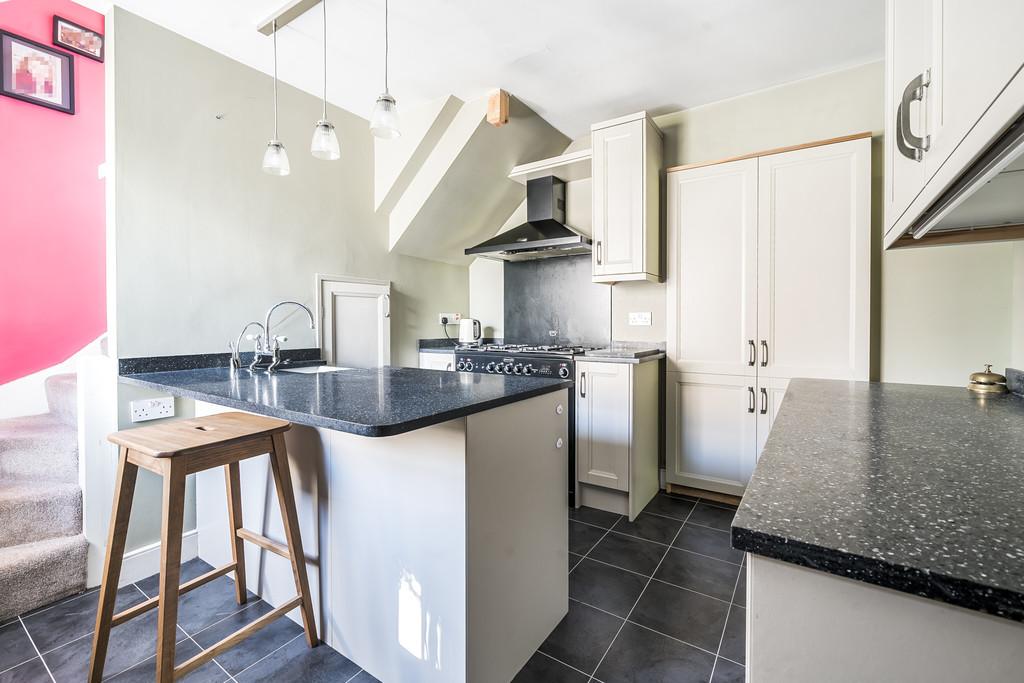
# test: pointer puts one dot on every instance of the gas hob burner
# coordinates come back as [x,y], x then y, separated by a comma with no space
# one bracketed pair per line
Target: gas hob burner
[555,349]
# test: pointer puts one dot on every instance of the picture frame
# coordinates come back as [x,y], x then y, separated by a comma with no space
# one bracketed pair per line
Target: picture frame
[36,73]
[78,39]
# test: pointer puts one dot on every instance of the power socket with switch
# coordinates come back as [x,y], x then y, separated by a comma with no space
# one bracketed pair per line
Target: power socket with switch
[640,318]
[449,318]
[152,408]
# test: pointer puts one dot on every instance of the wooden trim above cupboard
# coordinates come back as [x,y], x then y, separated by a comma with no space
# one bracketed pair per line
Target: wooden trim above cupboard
[767,152]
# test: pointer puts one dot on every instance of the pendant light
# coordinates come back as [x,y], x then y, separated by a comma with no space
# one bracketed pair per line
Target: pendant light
[325,141]
[275,159]
[384,120]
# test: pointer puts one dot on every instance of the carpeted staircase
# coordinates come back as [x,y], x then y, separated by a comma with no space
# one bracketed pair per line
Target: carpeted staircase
[42,548]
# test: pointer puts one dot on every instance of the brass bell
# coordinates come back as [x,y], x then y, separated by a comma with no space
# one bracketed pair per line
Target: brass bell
[987,382]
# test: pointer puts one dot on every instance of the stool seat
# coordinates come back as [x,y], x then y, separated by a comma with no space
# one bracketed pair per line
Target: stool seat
[183,437]
[174,450]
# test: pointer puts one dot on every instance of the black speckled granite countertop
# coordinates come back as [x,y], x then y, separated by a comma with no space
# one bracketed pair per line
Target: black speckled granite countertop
[915,488]
[375,402]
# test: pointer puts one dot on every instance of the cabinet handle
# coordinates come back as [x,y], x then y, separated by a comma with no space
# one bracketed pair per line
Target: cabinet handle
[901,143]
[753,353]
[448,367]
[764,353]
[598,251]
[387,305]
[764,401]
[583,385]
[914,92]
[750,405]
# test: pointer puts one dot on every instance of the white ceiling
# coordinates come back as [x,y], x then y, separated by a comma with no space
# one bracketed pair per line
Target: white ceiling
[573,61]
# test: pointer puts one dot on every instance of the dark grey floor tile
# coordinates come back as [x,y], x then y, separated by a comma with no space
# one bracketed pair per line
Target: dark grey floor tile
[72,619]
[543,669]
[582,537]
[712,516]
[32,671]
[190,569]
[710,542]
[574,560]
[208,604]
[15,646]
[734,640]
[362,677]
[581,638]
[130,643]
[629,553]
[650,527]
[256,646]
[641,656]
[185,650]
[727,672]
[702,574]
[296,661]
[606,587]
[601,518]
[682,614]
[670,506]
[741,589]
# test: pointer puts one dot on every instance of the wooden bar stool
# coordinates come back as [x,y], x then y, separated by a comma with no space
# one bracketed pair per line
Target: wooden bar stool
[175,450]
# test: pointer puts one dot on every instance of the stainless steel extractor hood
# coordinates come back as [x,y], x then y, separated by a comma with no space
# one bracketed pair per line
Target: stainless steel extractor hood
[543,235]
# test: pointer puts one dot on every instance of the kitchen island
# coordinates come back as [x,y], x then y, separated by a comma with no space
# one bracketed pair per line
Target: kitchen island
[885,526]
[432,507]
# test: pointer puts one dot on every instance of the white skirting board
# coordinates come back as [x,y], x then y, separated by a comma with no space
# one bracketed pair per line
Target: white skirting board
[145,561]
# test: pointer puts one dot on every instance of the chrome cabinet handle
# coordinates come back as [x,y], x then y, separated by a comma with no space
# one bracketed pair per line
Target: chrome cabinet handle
[764,401]
[764,353]
[387,305]
[583,385]
[914,92]
[598,252]
[448,366]
[752,360]
[750,405]
[901,142]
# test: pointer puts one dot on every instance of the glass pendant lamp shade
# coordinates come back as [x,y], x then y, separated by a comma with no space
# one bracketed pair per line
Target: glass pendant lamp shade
[275,159]
[325,142]
[384,120]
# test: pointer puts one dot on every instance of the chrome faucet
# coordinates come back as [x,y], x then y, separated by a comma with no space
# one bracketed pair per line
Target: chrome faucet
[271,344]
[236,359]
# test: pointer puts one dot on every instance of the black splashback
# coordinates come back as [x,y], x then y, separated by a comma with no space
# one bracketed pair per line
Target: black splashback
[556,294]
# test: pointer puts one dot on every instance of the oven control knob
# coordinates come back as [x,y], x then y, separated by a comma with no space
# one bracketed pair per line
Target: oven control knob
[508,368]
[490,367]
[518,369]
[529,369]
[461,366]
[563,372]
[469,366]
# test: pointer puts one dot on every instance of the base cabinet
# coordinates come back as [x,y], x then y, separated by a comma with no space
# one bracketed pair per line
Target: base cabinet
[437,361]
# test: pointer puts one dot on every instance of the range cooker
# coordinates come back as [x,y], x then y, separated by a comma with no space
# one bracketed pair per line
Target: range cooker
[553,362]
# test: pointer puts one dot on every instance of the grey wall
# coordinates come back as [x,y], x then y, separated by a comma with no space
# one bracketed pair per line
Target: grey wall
[205,241]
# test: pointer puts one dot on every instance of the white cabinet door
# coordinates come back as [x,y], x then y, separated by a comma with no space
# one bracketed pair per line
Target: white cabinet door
[908,55]
[355,321]
[437,361]
[618,198]
[603,424]
[770,393]
[712,268]
[814,262]
[977,50]
[712,431]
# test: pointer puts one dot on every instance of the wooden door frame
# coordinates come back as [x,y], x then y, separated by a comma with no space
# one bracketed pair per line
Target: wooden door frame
[321,311]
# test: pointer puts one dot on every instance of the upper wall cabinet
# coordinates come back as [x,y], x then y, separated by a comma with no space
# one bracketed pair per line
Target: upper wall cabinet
[954,83]
[627,155]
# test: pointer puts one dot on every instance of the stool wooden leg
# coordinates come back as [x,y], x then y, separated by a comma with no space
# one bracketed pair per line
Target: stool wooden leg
[124,491]
[234,485]
[170,566]
[286,498]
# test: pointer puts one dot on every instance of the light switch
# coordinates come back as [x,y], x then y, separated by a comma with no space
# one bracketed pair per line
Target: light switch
[640,318]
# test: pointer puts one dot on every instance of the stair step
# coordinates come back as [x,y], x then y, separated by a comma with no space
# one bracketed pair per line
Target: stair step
[36,574]
[37,510]
[62,397]
[38,447]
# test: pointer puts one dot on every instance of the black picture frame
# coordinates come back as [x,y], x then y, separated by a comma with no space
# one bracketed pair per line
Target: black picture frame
[7,89]
[58,20]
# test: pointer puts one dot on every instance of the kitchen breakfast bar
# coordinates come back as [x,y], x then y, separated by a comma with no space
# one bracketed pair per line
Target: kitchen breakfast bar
[432,507]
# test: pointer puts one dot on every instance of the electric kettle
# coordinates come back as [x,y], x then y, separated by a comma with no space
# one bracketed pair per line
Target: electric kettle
[470,331]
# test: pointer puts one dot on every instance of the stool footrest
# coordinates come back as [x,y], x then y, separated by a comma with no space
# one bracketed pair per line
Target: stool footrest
[144,607]
[235,638]
[265,543]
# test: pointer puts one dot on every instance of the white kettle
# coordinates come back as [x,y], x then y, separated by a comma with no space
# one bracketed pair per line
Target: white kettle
[470,331]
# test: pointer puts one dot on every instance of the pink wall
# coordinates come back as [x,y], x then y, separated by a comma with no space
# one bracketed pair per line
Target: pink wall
[52,225]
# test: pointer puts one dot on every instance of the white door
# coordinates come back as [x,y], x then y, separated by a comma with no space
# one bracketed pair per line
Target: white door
[437,361]
[770,394]
[603,423]
[977,50]
[355,321]
[711,431]
[814,239]
[618,196]
[908,55]
[712,268]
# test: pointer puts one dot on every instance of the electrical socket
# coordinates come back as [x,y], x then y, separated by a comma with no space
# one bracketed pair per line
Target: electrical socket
[448,318]
[152,408]
[640,318]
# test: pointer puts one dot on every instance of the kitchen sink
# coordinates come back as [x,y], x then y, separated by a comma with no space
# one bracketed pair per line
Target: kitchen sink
[314,369]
